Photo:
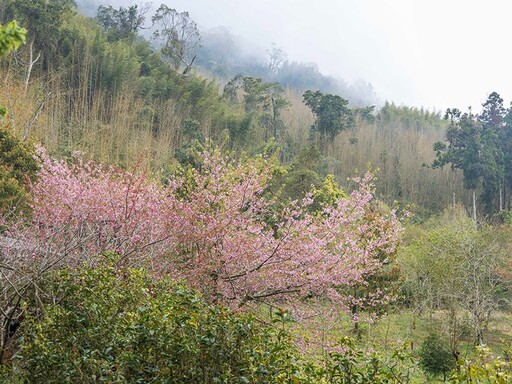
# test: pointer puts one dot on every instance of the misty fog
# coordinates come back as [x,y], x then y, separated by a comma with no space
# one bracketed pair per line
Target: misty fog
[420,53]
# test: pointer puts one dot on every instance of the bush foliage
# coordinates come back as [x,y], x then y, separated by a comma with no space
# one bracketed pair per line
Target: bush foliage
[119,325]
[114,324]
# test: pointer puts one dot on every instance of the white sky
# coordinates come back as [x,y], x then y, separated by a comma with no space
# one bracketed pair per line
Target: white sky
[431,53]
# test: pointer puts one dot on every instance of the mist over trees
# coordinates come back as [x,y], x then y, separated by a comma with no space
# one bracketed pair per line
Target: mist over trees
[222,54]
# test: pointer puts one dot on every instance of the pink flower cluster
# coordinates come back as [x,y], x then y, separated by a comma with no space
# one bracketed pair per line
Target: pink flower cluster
[212,227]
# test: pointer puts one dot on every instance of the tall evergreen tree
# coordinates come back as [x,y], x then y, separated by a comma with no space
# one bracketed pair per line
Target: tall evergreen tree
[506,146]
[332,115]
[493,163]
[464,149]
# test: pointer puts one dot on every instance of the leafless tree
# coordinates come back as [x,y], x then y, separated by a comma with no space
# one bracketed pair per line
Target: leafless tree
[178,37]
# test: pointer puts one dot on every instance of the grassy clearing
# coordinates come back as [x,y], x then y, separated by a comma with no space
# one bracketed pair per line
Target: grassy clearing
[402,327]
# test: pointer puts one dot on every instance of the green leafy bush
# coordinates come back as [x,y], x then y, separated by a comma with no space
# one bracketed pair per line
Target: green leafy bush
[435,356]
[351,363]
[17,168]
[485,367]
[11,37]
[115,325]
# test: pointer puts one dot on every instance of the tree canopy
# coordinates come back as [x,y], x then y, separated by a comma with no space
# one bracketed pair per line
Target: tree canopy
[11,37]
[332,114]
[122,23]
[479,146]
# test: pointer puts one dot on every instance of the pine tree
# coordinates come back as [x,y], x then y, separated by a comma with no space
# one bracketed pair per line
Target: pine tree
[493,162]
[464,149]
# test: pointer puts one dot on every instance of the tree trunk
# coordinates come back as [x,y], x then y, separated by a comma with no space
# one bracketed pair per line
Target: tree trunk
[474,205]
[501,198]
[453,187]
[31,63]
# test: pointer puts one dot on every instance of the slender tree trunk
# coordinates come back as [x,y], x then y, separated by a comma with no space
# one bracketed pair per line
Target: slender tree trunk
[501,197]
[31,63]
[474,205]
[453,187]
[506,203]
[274,118]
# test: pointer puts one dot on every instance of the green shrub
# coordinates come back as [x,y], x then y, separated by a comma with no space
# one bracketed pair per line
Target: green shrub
[122,326]
[485,367]
[354,364]
[435,356]
[17,167]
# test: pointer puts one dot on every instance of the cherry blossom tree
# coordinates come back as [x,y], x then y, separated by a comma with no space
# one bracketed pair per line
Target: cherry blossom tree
[237,257]
[214,227]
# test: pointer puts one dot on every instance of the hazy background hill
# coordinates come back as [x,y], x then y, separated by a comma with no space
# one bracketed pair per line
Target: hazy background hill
[223,54]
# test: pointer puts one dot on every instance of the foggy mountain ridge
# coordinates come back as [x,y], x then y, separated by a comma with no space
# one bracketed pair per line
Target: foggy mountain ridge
[223,55]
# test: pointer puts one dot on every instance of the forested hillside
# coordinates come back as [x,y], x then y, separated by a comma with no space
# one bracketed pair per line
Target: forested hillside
[107,92]
[251,219]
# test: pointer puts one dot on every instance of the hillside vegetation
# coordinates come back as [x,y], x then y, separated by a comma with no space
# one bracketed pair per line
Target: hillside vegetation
[169,213]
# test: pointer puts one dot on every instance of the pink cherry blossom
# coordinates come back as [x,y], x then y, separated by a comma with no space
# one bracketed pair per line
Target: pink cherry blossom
[209,227]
